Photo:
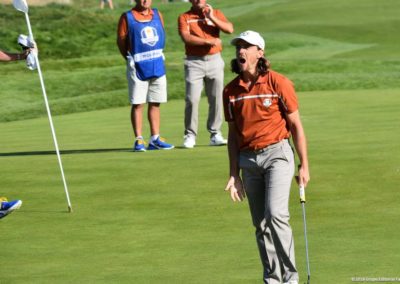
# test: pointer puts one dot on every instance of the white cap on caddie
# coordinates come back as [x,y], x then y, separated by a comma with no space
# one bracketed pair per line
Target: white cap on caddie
[251,37]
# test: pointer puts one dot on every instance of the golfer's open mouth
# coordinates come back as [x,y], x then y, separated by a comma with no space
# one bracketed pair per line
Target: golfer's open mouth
[242,60]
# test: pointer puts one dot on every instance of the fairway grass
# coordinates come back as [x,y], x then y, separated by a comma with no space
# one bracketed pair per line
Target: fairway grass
[162,216]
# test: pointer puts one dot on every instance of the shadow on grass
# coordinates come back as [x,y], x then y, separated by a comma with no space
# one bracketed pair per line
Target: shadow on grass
[64,152]
[84,151]
[42,211]
[198,146]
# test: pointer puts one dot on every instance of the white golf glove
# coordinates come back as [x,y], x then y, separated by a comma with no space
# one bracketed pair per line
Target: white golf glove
[130,60]
[25,41]
[31,59]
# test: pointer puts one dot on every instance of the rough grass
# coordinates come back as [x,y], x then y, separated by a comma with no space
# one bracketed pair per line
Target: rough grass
[84,71]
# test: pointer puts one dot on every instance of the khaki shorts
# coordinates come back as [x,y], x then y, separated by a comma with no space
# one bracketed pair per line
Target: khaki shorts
[150,91]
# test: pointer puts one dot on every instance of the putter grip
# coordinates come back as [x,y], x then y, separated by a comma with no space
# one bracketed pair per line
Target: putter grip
[302,194]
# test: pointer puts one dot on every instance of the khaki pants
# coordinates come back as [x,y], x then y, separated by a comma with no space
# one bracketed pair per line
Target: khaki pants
[209,71]
[267,176]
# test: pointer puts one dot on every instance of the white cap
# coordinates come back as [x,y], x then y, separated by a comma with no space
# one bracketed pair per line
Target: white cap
[251,37]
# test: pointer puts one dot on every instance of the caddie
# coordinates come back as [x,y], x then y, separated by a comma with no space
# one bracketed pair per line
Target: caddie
[141,40]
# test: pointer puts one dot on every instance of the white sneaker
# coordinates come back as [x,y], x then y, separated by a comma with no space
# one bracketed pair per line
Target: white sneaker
[291,282]
[218,140]
[189,141]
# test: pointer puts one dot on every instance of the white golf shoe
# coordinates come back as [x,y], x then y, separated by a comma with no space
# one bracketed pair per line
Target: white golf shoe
[218,140]
[189,141]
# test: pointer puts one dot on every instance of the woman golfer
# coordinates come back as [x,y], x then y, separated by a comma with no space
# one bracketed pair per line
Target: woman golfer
[261,109]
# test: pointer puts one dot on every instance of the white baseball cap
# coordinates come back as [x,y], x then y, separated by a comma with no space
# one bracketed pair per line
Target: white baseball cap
[251,37]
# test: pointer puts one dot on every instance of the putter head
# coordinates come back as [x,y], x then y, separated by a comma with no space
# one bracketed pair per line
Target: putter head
[21,5]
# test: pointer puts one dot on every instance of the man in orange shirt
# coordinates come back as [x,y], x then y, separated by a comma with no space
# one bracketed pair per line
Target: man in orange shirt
[261,109]
[199,29]
[141,40]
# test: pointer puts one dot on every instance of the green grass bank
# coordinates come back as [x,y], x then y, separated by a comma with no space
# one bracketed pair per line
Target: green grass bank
[332,45]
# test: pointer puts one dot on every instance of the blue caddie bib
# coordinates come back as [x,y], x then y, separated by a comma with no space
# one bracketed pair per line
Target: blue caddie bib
[147,44]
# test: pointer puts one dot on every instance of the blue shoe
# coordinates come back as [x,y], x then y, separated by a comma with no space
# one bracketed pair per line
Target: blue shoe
[8,207]
[159,144]
[139,146]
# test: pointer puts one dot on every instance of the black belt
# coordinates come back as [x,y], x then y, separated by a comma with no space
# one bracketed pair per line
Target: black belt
[270,146]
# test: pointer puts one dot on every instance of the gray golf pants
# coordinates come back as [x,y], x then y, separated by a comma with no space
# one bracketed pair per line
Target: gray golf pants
[267,176]
[209,71]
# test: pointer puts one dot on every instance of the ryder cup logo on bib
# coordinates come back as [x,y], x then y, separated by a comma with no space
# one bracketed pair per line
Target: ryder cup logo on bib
[149,36]
[267,103]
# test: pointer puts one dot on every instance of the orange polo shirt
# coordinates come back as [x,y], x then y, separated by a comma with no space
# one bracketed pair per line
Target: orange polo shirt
[195,22]
[123,41]
[259,113]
